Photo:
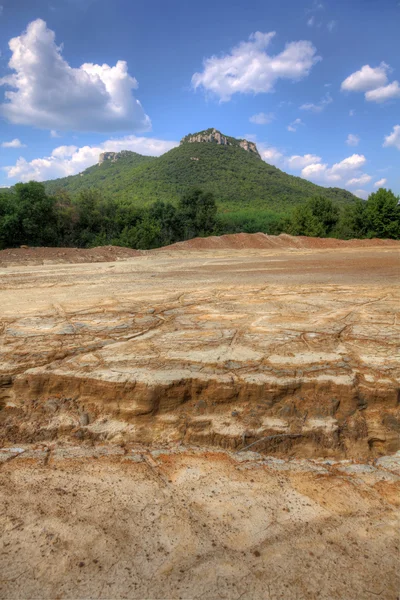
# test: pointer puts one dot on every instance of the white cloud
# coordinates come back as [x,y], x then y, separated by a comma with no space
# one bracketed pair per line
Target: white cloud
[319,172]
[270,154]
[338,173]
[51,94]
[363,194]
[331,25]
[311,21]
[327,99]
[352,112]
[345,173]
[70,160]
[393,139]
[294,125]
[54,134]
[352,140]
[380,183]
[262,118]
[362,180]
[384,93]
[355,161]
[367,78]
[248,69]
[16,143]
[300,162]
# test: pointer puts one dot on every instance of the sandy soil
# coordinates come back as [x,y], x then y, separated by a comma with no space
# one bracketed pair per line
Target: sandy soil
[107,522]
[121,381]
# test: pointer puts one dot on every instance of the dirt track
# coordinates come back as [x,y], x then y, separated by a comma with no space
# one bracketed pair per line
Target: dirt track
[105,364]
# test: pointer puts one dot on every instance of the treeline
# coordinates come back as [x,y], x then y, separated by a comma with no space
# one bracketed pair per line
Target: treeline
[379,216]
[30,216]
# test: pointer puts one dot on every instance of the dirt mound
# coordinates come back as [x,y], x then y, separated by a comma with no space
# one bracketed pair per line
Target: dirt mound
[235,241]
[39,256]
[239,241]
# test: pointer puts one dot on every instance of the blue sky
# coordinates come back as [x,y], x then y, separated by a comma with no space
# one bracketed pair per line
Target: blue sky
[314,83]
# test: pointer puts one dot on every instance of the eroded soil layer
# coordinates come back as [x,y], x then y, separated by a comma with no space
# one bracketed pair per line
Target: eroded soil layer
[111,522]
[295,351]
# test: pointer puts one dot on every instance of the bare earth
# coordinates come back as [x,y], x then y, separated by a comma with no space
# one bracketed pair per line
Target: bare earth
[130,391]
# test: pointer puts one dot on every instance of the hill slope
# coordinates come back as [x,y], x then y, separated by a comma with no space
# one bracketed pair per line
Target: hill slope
[238,178]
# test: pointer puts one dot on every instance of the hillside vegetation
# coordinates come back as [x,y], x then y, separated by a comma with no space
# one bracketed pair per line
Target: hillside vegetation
[28,215]
[210,185]
[237,178]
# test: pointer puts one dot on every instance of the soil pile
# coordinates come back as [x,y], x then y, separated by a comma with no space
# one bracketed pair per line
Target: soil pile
[41,256]
[244,241]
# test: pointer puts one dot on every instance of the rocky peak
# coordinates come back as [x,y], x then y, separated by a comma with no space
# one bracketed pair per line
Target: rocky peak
[113,156]
[216,137]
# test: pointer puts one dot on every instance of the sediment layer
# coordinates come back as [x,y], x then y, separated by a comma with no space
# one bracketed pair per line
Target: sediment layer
[294,352]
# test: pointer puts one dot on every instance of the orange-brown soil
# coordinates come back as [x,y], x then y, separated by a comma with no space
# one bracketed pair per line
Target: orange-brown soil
[113,373]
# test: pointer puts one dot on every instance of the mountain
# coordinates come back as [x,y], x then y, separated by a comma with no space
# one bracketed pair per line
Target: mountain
[231,168]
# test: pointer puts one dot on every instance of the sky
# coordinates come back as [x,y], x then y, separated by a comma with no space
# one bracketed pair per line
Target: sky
[315,83]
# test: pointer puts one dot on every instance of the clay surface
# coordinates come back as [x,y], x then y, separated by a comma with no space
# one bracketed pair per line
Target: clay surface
[105,522]
[300,347]
[205,423]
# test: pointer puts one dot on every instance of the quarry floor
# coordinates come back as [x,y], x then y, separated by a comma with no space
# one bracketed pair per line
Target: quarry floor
[130,390]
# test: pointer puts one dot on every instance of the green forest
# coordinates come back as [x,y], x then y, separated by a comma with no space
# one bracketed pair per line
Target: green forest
[29,215]
[238,179]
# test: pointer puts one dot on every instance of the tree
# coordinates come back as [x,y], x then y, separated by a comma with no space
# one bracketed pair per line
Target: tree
[316,218]
[382,214]
[379,216]
[197,212]
[27,216]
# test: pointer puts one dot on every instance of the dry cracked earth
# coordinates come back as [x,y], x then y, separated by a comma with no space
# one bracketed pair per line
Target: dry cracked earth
[201,424]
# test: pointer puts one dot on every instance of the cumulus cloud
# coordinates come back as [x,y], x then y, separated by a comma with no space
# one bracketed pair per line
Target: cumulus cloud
[384,93]
[327,99]
[363,194]
[393,139]
[367,78]
[16,143]
[294,125]
[346,173]
[380,183]
[322,173]
[362,180]
[300,162]
[352,140]
[248,69]
[70,160]
[48,93]
[262,118]
[271,155]
[374,82]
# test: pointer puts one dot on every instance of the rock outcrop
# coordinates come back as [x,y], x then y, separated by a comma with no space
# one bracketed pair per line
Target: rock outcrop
[214,136]
[113,156]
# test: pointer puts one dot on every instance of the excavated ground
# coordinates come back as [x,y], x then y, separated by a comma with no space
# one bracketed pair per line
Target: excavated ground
[215,347]
[104,522]
[291,351]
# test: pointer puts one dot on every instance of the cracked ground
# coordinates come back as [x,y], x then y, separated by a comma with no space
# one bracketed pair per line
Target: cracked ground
[131,393]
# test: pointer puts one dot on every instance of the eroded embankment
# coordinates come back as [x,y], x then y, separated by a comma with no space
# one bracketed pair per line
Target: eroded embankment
[300,417]
[305,371]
